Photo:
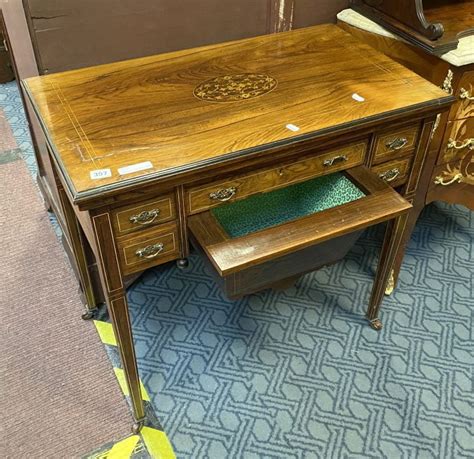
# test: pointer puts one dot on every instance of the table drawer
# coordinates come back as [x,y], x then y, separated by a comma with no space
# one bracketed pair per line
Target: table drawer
[394,143]
[141,216]
[153,247]
[271,227]
[453,182]
[464,107]
[207,196]
[394,172]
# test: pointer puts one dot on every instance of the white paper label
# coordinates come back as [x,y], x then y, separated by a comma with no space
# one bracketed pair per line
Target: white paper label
[292,127]
[135,168]
[100,174]
[358,98]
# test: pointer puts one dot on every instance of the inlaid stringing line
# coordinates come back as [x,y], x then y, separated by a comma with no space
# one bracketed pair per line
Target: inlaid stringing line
[75,122]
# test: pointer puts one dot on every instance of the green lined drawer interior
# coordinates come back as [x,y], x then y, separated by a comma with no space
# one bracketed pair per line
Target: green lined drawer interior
[265,210]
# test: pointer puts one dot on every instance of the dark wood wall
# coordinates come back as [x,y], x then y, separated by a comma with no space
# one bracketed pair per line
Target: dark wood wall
[6,69]
[70,34]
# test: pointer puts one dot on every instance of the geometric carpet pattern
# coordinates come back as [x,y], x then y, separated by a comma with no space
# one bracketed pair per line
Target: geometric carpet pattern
[299,373]
[11,112]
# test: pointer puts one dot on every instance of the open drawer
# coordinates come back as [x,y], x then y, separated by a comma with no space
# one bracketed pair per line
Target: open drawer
[262,240]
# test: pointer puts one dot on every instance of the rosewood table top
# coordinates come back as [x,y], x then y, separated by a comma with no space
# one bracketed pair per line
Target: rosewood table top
[145,119]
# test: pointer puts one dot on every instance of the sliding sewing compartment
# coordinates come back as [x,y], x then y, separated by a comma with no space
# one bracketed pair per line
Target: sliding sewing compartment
[257,242]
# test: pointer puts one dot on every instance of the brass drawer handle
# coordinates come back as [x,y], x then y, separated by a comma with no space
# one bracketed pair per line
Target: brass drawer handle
[466,95]
[459,145]
[440,180]
[146,217]
[150,251]
[390,175]
[335,160]
[224,194]
[397,144]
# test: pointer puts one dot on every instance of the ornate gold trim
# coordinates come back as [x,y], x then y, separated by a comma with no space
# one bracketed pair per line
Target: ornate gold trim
[232,88]
[465,94]
[435,126]
[147,217]
[460,144]
[390,284]
[448,83]
[459,173]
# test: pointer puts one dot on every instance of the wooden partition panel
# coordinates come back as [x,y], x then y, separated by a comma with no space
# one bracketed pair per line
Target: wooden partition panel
[71,34]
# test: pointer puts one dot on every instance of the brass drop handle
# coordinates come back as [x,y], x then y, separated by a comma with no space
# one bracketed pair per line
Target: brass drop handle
[335,160]
[390,175]
[150,251]
[459,145]
[440,180]
[146,217]
[397,144]
[465,94]
[224,194]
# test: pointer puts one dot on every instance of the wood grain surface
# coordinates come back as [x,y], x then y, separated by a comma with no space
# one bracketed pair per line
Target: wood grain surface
[121,114]
[200,198]
[435,26]
[464,108]
[394,172]
[460,131]
[457,17]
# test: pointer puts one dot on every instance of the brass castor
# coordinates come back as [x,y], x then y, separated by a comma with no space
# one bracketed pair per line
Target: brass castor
[376,324]
[137,426]
[89,314]
[182,263]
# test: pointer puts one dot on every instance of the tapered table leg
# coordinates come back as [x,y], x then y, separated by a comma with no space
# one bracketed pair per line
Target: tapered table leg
[116,299]
[397,264]
[394,236]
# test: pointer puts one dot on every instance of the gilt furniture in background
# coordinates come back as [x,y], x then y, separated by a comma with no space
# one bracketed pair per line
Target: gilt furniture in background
[147,153]
[435,26]
[452,177]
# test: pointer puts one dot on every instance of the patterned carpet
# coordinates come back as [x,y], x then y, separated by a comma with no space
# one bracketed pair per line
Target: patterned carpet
[299,374]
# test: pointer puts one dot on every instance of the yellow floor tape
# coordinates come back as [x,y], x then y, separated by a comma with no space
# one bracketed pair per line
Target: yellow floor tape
[157,444]
[155,441]
[124,449]
[106,332]
[120,374]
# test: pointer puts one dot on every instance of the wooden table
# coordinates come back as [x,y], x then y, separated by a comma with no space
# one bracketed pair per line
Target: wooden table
[146,150]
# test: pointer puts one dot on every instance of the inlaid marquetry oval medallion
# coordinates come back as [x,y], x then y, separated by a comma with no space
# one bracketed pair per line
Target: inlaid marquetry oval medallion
[229,88]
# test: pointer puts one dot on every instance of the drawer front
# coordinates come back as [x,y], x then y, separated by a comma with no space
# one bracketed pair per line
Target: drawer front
[458,140]
[464,107]
[150,248]
[453,183]
[395,143]
[230,254]
[141,216]
[205,197]
[395,172]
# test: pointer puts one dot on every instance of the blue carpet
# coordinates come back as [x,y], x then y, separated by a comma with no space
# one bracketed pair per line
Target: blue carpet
[300,374]
[10,102]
